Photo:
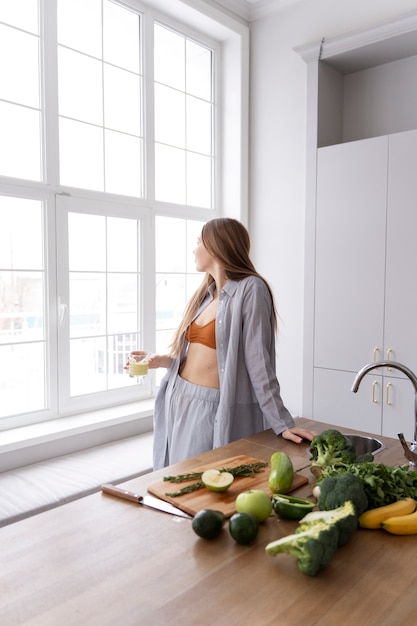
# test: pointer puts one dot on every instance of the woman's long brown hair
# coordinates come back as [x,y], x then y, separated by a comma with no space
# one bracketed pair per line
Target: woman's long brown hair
[227,240]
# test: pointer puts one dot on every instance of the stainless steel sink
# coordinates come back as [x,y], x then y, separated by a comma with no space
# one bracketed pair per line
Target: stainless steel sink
[363,444]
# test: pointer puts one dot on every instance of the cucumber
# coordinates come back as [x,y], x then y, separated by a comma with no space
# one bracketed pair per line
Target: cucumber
[282,473]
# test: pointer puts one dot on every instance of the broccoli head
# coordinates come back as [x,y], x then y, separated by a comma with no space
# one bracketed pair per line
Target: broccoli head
[336,490]
[344,518]
[313,548]
[331,447]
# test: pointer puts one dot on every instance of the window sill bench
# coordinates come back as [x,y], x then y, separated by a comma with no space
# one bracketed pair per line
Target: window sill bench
[35,488]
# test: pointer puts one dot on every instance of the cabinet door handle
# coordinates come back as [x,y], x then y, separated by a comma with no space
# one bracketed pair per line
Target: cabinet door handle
[389,352]
[374,394]
[376,350]
[387,397]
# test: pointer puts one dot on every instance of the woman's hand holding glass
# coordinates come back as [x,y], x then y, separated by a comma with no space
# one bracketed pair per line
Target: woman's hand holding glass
[139,361]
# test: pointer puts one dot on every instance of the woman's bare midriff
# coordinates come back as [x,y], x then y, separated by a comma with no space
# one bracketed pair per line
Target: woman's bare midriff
[200,366]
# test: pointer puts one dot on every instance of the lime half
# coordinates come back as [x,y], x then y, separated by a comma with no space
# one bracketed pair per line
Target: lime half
[216,480]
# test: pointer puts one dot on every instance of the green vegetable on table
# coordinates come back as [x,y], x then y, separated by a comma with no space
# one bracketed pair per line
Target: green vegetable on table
[317,537]
[313,548]
[331,448]
[337,489]
[344,518]
[383,484]
[282,473]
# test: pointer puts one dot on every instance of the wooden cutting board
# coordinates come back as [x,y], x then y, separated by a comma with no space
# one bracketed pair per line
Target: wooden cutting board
[225,501]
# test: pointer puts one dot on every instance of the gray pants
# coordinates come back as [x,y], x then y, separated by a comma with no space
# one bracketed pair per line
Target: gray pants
[190,426]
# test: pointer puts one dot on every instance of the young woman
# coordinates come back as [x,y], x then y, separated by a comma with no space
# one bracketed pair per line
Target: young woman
[221,383]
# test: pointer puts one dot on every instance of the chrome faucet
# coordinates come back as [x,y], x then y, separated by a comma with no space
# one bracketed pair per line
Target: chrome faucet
[410,452]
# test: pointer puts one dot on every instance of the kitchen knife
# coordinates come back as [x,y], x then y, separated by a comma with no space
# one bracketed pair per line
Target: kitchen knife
[154,503]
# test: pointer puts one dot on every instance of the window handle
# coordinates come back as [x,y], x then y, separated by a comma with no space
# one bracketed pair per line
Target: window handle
[62,311]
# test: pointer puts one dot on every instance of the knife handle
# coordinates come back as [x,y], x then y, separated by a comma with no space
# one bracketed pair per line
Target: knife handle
[121,493]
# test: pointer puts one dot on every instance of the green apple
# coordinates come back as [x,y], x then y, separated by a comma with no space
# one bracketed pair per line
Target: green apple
[254,501]
[216,480]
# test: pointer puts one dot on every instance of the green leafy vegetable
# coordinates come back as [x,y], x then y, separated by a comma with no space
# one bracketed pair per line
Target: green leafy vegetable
[383,484]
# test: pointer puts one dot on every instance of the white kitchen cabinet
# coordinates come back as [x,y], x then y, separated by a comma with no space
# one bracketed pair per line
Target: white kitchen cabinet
[365,299]
[401,259]
[350,253]
[382,404]
[361,220]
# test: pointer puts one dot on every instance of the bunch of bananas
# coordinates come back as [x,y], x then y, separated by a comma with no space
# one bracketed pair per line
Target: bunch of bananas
[398,518]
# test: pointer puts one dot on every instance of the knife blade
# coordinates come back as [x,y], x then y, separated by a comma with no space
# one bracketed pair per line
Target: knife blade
[150,501]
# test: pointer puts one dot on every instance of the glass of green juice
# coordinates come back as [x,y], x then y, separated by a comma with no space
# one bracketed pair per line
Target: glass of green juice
[138,366]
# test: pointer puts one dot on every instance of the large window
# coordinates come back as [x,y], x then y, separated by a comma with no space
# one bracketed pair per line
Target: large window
[109,161]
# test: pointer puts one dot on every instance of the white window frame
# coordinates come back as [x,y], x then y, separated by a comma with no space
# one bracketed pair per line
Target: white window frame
[202,19]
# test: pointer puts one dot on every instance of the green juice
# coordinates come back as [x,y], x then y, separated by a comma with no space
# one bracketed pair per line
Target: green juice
[138,369]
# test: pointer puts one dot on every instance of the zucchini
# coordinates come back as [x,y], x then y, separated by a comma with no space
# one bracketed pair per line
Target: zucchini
[282,473]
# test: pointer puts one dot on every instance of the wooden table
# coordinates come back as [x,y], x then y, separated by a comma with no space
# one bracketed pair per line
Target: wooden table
[100,561]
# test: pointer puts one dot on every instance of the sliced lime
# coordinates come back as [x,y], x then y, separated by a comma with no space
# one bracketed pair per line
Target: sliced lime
[216,480]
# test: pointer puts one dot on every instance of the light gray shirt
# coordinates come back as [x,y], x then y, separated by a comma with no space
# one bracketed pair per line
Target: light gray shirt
[250,398]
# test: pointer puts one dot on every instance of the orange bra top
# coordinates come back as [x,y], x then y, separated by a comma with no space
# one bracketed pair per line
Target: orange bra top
[205,334]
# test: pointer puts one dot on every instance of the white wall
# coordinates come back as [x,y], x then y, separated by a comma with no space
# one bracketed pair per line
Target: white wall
[277,155]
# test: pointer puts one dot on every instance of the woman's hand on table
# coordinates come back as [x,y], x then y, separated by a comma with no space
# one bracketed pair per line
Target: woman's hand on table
[298,435]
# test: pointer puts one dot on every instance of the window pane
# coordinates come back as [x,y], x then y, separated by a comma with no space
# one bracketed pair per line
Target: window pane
[169,174]
[183,107]
[105,91]
[122,100]
[20,234]
[81,155]
[170,300]
[20,127]
[170,244]
[86,242]
[88,361]
[122,303]
[122,245]
[198,70]
[80,87]
[169,116]
[23,14]
[87,304]
[22,307]
[199,134]
[19,80]
[199,181]
[79,25]
[121,37]
[22,378]
[123,164]
[104,304]
[169,50]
